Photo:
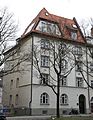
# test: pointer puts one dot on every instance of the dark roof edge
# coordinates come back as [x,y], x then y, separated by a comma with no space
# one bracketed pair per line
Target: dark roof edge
[79,28]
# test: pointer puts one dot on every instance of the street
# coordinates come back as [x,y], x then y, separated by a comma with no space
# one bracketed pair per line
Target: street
[29,118]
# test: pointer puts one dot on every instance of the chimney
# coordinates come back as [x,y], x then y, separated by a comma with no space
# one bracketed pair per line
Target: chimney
[92,31]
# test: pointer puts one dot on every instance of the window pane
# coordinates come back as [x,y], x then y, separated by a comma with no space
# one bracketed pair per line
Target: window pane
[44,99]
[45,61]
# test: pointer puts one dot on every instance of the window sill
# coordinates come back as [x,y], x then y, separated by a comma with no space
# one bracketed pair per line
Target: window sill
[45,66]
[44,104]
[64,104]
[45,48]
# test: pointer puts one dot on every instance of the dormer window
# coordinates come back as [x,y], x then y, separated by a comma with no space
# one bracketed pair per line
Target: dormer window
[48,27]
[73,35]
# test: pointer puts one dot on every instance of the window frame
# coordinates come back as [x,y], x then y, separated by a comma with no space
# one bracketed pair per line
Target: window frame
[45,44]
[44,79]
[79,82]
[44,99]
[64,99]
[73,35]
[91,83]
[63,82]
[63,64]
[44,61]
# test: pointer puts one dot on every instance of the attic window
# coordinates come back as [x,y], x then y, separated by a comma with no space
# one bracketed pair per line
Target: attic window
[73,35]
[74,26]
[46,14]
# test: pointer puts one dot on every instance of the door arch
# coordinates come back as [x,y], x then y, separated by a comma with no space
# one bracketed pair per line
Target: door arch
[82,104]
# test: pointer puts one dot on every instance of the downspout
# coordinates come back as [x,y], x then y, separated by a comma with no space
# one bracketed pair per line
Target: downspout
[88,79]
[30,103]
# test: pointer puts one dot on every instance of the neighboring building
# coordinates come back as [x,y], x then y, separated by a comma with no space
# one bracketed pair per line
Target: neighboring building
[26,91]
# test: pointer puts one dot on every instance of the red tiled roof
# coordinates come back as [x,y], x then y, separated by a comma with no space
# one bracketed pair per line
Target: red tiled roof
[64,24]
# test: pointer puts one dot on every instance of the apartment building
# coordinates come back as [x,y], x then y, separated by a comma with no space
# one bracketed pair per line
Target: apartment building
[27,92]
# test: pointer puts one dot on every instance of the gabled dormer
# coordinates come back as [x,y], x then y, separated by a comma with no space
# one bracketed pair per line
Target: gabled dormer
[51,28]
[55,26]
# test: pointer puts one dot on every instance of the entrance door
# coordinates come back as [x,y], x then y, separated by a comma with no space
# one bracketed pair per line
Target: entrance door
[82,104]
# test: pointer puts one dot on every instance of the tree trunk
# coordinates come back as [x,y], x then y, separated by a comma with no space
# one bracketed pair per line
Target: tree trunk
[58,94]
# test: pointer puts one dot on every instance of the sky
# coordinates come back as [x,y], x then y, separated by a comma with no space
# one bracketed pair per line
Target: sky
[25,10]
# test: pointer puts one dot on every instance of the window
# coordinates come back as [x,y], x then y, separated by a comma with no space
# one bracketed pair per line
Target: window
[79,66]
[44,61]
[79,82]
[44,43]
[63,81]
[73,35]
[43,26]
[17,82]
[91,99]
[48,27]
[91,83]
[44,98]
[63,64]
[10,100]
[16,99]
[77,50]
[91,67]
[11,84]
[64,99]
[44,79]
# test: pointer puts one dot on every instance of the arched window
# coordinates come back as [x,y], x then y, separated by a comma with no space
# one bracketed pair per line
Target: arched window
[44,98]
[64,99]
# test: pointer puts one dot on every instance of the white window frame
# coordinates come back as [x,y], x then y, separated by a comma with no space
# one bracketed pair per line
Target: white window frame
[44,61]
[73,35]
[77,50]
[44,98]
[44,43]
[64,99]
[79,82]
[91,67]
[44,79]
[64,64]
[63,81]
[80,64]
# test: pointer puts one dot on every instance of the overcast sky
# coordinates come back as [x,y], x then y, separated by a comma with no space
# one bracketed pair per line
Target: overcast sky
[25,10]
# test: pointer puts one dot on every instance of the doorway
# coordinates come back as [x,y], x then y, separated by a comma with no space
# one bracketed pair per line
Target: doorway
[82,104]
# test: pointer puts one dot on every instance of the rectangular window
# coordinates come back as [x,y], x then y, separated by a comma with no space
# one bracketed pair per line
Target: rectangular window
[91,67]
[79,66]
[63,64]
[44,79]
[44,44]
[77,50]
[43,26]
[63,81]
[44,61]
[11,84]
[79,82]
[73,35]
[16,99]
[91,83]
[17,82]
[10,100]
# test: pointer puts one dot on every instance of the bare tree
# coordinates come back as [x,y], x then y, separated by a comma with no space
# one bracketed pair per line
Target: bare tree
[61,63]
[8,30]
